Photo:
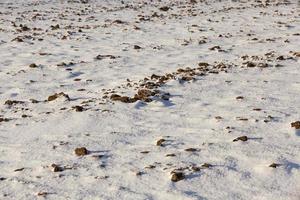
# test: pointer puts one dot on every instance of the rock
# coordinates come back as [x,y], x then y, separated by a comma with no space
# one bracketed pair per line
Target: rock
[54,27]
[12,102]
[25,28]
[295,125]
[136,47]
[160,142]
[263,65]
[102,177]
[195,168]
[164,8]
[2,179]
[154,76]
[118,21]
[165,97]
[4,119]
[57,95]
[274,165]
[144,152]
[239,98]
[251,64]
[170,155]
[191,149]
[34,101]
[297,54]
[242,138]
[139,173]
[33,65]
[144,94]
[101,57]
[56,168]
[82,151]
[62,64]
[177,176]
[78,108]
[242,118]
[206,165]
[187,78]
[43,194]
[215,48]
[124,99]
[20,169]
[150,167]
[203,64]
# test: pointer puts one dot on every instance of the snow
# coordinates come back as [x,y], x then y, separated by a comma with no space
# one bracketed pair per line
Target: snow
[203,113]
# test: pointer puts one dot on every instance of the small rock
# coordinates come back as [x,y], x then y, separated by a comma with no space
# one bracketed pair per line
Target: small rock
[170,155]
[280,58]
[150,167]
[78,108]
[165,97]
[257,109]
[124,99]
[136,47]
[177,176]
[4,119]
[191,149]
[34,101]
[206,165]
[203,64]
[187,78]
[42,194]
[251,64]
[242,138]
[102,177]
[56,168]
[274,165]
[57,95]
[20,169]
[164,8]
[101,57]
[33,65]
[195,168]
[118,21]
[160,142]
[81,151]
[139,173]
[12,102]
[242,118]
[295,125]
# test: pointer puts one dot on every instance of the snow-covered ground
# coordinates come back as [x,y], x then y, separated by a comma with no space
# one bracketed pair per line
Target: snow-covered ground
[203,73]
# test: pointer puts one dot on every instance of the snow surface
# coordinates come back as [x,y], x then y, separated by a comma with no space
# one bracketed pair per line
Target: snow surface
[203,113]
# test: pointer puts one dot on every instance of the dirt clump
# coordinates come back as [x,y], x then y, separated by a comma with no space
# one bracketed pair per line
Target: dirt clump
[81,151]
[57,95]
[242,138]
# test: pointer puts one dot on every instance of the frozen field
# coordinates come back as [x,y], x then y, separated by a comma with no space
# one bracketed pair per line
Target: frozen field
[172,99]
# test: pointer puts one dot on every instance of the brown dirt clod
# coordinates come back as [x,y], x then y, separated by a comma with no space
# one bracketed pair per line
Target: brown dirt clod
[177,176]
[82,151]
[242,138]
[160,142]
[296,125]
